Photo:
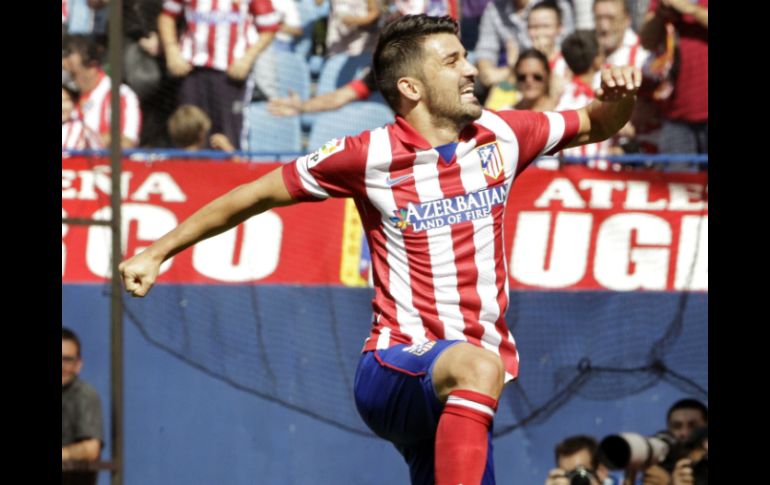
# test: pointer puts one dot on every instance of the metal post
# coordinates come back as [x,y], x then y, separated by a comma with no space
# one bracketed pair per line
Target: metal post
[116,304]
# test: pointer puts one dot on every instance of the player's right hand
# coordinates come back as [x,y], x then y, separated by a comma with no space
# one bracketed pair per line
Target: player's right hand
[139,273]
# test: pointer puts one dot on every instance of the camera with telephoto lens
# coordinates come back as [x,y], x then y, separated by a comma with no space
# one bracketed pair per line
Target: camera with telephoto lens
[634,451]
[579,476]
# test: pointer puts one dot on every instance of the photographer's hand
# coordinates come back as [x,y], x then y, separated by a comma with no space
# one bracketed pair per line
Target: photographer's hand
[683,473]
[557,476]
[656,475]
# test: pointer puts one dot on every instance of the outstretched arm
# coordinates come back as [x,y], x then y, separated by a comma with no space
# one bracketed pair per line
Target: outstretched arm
[612,108]
[247,200]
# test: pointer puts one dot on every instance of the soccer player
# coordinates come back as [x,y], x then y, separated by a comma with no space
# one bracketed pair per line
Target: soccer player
[431,190]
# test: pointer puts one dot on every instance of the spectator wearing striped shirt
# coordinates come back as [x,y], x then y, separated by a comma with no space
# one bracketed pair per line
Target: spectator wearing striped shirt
[216,54]
[74,134]
[618,42]
[81,58]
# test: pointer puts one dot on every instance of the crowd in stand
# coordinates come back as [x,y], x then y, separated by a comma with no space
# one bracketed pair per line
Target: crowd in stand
[191,64]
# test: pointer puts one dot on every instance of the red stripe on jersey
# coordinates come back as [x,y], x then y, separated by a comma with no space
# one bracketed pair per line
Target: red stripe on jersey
[464,249]
[416,246]
[632,55]
[235,7]
[212,37]
[104,116]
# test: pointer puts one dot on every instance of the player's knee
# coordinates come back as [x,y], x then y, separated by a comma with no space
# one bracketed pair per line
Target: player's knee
[481,371]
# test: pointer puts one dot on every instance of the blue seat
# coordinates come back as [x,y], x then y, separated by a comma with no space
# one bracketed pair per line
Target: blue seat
[268,133]
[279,71]
[348,120]
[340,69]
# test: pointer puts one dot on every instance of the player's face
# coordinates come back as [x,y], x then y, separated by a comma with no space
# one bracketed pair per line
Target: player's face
[684,421]
[611,22]
[531,79]
[448,79]
[70,362]
[66,106]
[543,28]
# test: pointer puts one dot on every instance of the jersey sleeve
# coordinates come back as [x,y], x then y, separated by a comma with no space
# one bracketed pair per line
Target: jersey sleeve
[173,7]
[131,113]
[334,170]
[540,133]
[266,18]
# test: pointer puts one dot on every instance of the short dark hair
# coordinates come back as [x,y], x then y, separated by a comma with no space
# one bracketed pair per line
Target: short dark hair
[399,50]
[579,49]
[688,403]
[547,5]
[532,54]
[67,334]
[90,51]
[621,2]
[573,444]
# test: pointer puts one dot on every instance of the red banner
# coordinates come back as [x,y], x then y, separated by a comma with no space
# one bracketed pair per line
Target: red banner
[572,228]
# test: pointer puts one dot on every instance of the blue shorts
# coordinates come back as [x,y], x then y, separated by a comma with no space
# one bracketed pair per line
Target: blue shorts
[395,397]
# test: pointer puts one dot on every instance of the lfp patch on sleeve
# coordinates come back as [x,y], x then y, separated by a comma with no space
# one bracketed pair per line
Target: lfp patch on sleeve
[329,148]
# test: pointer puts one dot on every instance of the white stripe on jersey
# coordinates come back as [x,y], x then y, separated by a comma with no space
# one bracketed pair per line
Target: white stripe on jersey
[557,130]
[383,341]
[484,241]
[440,248]
[309,182]
[458,401]
[378,162]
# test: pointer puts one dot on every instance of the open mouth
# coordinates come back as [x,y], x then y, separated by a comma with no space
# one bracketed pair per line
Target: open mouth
[466,93]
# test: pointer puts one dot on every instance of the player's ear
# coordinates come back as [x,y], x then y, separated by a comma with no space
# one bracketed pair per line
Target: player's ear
[410,87]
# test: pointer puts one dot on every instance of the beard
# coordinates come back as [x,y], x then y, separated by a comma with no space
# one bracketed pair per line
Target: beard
[450,106]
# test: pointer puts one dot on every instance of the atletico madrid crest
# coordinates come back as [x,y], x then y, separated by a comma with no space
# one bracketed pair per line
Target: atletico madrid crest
[491,160]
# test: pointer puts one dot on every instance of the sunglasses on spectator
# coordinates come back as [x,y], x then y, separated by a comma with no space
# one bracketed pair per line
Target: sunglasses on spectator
[67,359]
[523,77]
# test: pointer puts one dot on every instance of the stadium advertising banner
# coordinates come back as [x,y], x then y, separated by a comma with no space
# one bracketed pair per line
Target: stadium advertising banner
[567,229]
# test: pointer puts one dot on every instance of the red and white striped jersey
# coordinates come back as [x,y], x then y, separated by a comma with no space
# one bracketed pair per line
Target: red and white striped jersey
[577,94]
[94,107]
[433,218]
[218,30]
[76,136]
[64,11]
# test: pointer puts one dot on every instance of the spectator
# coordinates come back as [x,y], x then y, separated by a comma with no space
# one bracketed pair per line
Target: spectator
[213,63]
[577,452]
[352,27]
[533,74]
[144,70]
[74,134]
[544,28]
[581,52]
[618,43]
[685,111]
[81,413]
[503,34]
[684,417]
[189,128]
[81,57]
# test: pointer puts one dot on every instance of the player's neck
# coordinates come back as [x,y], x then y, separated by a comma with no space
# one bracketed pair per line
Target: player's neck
[436,131]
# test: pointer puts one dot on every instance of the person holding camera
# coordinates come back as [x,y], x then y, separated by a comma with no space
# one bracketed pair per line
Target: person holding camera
[577,463]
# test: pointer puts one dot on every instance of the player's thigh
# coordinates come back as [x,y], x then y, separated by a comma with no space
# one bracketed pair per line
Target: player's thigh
[466,366]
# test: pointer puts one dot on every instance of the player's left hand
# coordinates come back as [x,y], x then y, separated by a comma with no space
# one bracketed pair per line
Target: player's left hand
[618,83]
[239,69]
